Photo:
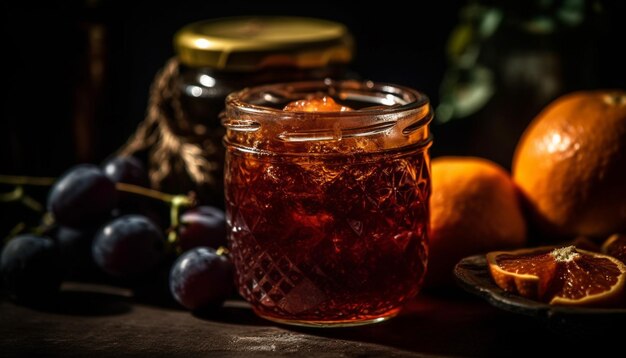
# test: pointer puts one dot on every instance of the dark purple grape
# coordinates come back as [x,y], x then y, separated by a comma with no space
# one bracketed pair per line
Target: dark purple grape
[201,278]
[31,268]
[128,246]
[72,241]
[126,170]
[158,214]
[202,226]
[75,249]
[82,197]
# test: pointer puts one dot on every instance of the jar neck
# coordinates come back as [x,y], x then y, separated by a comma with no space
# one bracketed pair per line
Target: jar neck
[392,118]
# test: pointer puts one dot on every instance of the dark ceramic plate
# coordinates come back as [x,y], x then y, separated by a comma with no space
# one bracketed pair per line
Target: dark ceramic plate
[473,275]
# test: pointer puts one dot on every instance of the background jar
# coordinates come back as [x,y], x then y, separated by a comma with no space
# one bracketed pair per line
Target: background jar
[328,211]
[217,57]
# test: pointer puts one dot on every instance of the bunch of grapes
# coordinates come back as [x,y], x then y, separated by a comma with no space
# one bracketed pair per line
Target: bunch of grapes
[108,219]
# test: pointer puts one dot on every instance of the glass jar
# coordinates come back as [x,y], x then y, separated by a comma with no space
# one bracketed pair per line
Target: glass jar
[223,55]
[328,211]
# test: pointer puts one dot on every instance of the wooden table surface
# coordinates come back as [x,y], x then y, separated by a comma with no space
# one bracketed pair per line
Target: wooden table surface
[94,320]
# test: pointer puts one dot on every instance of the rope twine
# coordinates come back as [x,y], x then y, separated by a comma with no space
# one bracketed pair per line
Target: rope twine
[177,160]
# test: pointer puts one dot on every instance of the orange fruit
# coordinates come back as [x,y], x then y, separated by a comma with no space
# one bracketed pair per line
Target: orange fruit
[570,163]
[474,209]
[559,275]
[615,246]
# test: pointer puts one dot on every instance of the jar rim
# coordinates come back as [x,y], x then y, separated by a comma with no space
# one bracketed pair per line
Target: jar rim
[409,98]
[396,117]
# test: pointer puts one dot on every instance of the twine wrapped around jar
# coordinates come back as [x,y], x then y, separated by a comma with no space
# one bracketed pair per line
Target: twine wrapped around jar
[180,139]
[178,158]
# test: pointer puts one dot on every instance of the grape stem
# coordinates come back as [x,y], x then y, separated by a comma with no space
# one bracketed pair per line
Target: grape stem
[179,200]
[21,180]
[19,195]
[16,230]
[222,251]
[175,201]
[129,188]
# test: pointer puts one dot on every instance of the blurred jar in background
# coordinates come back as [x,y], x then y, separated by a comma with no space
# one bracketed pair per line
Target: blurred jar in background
[181,137]
[507,60]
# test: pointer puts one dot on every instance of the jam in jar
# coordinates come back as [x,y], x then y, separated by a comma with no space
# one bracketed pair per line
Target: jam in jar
[328,210]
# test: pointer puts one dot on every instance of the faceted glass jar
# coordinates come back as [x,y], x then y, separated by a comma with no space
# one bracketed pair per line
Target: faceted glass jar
[328,211]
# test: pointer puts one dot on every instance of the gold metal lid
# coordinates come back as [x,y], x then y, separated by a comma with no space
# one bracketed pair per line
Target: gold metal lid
[251,43]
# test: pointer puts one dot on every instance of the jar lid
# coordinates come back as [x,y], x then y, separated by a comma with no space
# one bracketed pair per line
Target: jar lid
[251,43]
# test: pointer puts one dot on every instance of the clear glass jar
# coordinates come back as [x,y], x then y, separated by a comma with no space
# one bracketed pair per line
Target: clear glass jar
[328,211]
[224,55]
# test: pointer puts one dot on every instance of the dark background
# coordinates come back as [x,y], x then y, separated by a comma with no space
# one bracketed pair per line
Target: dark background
[46,52]
[47,47]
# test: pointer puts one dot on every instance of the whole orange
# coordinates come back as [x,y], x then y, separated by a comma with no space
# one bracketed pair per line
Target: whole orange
[570,163]
[474,209]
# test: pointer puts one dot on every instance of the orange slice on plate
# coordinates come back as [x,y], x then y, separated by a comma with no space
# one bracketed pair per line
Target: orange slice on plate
[560,275]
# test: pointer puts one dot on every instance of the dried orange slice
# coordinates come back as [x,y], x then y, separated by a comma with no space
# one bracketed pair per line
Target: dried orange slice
[560,275]
[615,246]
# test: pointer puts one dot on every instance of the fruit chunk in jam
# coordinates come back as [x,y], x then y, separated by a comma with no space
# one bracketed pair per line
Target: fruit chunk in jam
[334,238]
[323,104]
